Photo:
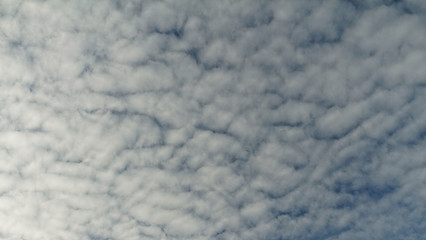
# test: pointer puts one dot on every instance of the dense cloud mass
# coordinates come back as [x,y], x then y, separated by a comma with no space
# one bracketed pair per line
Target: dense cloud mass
[212,119]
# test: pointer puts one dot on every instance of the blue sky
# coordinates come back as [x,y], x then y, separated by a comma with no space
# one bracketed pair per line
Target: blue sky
[212,120]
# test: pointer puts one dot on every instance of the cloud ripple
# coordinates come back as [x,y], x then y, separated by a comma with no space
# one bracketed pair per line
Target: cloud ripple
[212,120]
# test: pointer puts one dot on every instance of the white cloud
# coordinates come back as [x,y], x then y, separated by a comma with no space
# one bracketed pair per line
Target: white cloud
[212,120]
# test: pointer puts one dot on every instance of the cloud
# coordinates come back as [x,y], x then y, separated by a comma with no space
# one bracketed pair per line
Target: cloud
[213,120]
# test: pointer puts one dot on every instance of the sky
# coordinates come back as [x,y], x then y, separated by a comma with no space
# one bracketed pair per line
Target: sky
[226,120]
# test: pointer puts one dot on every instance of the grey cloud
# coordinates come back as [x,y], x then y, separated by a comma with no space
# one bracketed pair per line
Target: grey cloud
[212,120]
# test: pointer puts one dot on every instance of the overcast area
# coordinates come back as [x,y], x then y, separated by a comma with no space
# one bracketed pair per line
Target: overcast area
[251,119]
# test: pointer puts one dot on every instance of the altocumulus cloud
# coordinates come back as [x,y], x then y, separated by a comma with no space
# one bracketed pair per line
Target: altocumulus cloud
[212,119]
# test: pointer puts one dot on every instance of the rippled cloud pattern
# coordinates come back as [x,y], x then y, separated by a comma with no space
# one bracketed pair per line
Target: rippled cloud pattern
[212,120]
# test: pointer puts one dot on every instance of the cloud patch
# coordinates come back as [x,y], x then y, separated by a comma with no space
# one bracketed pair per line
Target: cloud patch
[213,120]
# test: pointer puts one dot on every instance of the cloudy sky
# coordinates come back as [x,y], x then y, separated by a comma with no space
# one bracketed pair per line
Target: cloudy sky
[221,119]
